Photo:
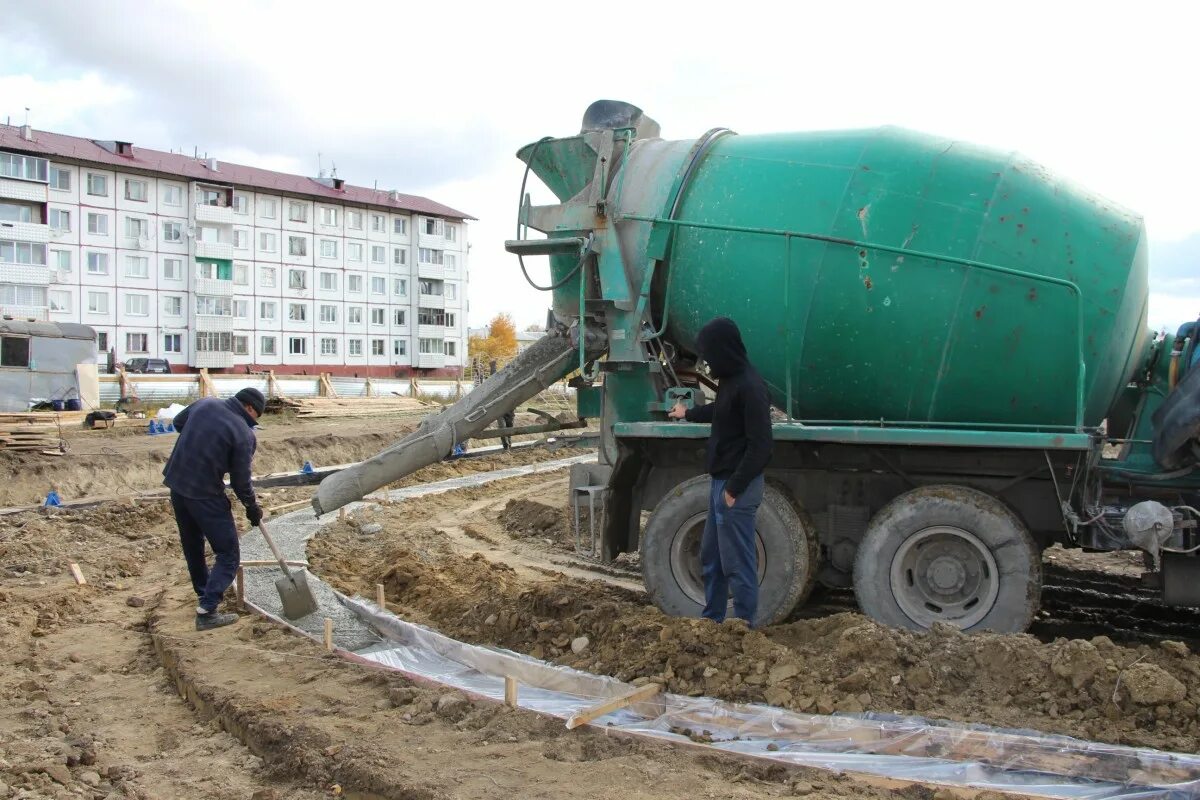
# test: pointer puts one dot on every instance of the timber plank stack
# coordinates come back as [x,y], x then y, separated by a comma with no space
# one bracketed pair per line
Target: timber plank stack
[35,430]
[329,407]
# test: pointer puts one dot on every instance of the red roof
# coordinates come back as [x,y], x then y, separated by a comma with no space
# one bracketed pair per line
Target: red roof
[60,145]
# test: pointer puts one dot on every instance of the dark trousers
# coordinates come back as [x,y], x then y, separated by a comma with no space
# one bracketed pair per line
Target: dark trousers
[507,421]
[210,519]
[729,553]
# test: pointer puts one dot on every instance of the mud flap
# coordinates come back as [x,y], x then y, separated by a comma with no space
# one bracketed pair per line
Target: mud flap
[1180,580]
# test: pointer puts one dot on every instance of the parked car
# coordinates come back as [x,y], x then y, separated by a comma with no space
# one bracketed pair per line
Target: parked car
[152,366]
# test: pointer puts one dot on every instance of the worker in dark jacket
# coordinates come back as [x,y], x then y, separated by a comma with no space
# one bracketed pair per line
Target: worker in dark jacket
[739,448]
[215,437]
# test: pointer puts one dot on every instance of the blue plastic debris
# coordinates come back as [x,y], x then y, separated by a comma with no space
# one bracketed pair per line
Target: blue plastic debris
[307,469]
[460,449]
[52,500]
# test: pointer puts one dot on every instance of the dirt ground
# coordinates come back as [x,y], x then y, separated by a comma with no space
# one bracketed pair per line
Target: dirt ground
[492,566]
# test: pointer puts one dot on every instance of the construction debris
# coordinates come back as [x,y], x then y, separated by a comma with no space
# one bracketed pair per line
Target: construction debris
[328,407]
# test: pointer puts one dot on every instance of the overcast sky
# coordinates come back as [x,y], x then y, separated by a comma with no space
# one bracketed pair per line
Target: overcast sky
[435,98]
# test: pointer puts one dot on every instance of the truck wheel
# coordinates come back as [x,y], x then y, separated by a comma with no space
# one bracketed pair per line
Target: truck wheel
[948,554]
[787,552]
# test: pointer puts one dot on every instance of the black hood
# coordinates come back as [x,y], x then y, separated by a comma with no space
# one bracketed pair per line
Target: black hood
[720,344]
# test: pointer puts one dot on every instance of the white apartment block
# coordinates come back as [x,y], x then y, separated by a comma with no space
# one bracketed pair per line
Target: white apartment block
[228,267]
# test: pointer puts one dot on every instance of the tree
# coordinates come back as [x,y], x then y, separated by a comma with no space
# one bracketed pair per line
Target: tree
[500,343]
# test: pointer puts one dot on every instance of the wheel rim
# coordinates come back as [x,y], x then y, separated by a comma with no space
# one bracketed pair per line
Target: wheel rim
[685,557]
[945,574]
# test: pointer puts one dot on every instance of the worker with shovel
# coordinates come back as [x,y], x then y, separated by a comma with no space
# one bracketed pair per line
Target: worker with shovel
[215,437]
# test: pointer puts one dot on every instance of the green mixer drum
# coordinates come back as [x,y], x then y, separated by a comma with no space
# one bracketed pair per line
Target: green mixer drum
[922,296]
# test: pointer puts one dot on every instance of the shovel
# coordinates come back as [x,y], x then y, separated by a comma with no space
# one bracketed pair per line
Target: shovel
[294,592]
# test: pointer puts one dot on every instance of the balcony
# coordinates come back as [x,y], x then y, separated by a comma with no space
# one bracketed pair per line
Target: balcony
[213,359]
[25,232]
[431,301]
[35,313]
[27,274]
[220,215]
[29,191]
[432,331]
[430,271]
[211,323]
[430,361]
[212,286]
[214,250]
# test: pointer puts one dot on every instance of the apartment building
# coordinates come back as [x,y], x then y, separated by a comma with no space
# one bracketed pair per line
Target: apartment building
[228,267]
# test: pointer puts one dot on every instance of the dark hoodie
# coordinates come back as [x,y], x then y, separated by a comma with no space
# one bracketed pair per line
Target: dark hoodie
[739,446]
[215,437]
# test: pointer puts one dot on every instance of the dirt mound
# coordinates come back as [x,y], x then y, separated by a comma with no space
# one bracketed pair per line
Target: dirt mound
[524,518]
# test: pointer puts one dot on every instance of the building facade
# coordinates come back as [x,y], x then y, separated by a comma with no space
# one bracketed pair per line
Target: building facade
[228,267]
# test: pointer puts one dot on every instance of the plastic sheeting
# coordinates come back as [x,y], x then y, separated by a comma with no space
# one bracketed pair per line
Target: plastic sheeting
[905,748]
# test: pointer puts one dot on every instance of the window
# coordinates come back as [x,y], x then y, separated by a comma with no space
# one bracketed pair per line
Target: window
[266,310]
[172,343]
[400,286]
[328,216]
[137,267]
[241,345]
[102,341]
[431,316]
[430,347]
[328,248]
[136,228]
[137,305]
[266,277]
[297,279]
[378,285]
[97,263]
[399,255]
[377,316]
[211,197]
[135,190]
[241,309]
[137,343]
[354,284]
[355,347]
[353,251]
[13,294]
[173,306]
[377,346]
[451,291]
[451,235]
[297,246]
[211,341]
[207,233]
[98,224]
[450,348]
[328,346]
[209,306]
[399,318]
[451,262]
[297,345]
[297,212]
[22,253]
[97,185]
[172,232]
[328,281]
[433,227]
[25,167]
[400,226]
[17,212]
[241,240]
[172,196]
[266,345]
[354,220]
[427,256]
[328,313]
[400,347]
[173,269]
[61,260]
[354,315]
[60,220]
[297,312]
[14,351]
[214,270]
[378,223]
[241,274]
[431,287]
[240,204]
[60,179]
[267,209]
[98,302]
[267,242]
[60,301]
[378,254]
[450,320]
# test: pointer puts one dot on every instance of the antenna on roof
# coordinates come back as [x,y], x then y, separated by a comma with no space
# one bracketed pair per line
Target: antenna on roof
[333,174]
[320,169]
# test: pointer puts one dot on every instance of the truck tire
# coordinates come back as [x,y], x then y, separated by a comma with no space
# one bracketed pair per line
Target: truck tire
[787,552]
[948,554]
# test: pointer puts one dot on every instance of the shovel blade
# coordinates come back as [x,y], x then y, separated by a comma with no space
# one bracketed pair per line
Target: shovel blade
[296,595]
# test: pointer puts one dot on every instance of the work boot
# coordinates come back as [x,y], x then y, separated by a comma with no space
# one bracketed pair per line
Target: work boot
[206,622]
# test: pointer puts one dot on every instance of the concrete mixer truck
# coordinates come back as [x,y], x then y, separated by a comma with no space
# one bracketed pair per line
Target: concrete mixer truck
[954,339]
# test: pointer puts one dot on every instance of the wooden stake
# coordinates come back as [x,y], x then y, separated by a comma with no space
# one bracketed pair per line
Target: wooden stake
[241,590]
[342,512]
[510,691]
[329,634]
[612,704]
[380,598]
[77,574]
[272,387]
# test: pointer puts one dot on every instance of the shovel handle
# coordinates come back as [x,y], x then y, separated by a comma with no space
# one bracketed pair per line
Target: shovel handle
[274,549]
